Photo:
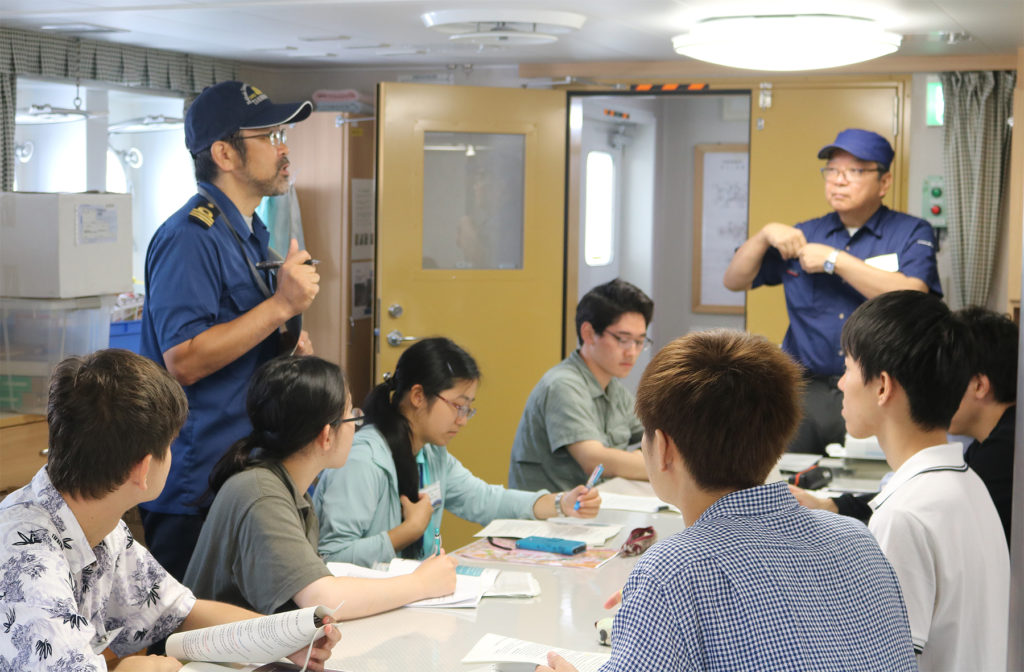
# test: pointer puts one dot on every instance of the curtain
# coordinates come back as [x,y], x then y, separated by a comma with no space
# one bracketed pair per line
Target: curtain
[28,53]
[975,157]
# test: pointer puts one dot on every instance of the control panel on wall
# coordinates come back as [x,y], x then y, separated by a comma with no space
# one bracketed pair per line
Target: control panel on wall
[933,201]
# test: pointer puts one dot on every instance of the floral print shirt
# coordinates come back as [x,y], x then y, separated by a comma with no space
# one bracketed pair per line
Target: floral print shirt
[61,602]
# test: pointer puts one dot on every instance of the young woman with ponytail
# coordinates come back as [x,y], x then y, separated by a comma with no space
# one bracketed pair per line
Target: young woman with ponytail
[258,545]
[389,498]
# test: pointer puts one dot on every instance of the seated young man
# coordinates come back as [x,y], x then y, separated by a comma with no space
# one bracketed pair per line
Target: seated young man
[907,367]
[73,580]
[755,581]
[579,415]
[987,413]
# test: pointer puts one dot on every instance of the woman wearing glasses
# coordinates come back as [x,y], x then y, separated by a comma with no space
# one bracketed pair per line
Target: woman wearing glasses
[389,498]
[258,546]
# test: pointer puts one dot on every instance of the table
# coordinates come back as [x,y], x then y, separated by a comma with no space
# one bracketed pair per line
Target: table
[571,600]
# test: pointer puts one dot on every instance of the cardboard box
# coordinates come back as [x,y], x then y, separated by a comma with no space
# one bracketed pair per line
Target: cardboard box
[61,246]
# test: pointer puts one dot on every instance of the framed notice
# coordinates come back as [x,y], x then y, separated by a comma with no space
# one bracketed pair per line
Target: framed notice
[721,174]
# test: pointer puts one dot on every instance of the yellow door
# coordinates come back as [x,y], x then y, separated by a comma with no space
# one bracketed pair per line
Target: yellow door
[785,186]
[470,229]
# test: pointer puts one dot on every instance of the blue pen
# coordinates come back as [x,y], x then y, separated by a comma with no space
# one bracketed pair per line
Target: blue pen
[437,541]
[594,475]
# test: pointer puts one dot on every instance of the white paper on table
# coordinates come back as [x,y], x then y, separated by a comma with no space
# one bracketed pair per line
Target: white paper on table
[613,500]
[468,589]
[496,648]
[797,462]
[592,534]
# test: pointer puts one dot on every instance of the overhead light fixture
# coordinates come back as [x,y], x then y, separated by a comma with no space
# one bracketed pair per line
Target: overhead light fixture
[503,27]
[147,124]
[786,41]
[48,114]
[79,28]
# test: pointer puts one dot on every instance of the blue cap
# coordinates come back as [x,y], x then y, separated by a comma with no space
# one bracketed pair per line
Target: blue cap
[865,145]
[226,107]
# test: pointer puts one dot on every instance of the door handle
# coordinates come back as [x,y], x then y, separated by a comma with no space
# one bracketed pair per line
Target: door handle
[395,338]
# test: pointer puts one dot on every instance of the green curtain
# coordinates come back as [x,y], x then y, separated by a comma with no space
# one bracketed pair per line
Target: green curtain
[27,53]
[976,158]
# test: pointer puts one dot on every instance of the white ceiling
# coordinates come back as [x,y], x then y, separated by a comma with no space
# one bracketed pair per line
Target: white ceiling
[390,32]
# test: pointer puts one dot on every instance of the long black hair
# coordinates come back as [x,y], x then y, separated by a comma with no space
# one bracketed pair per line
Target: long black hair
[436,364]
[290,399]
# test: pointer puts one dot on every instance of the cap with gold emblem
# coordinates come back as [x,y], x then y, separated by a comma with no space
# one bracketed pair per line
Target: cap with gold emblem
[224,108]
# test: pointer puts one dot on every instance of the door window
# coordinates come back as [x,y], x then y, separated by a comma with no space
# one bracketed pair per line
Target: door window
[473,200]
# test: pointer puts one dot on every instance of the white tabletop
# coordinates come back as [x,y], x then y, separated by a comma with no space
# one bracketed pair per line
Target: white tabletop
[562,615]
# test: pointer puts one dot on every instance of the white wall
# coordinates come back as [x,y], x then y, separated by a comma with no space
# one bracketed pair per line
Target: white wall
[685,122]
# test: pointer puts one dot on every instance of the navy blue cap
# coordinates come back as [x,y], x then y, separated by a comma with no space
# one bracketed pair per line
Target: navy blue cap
[865,145]
[226,107]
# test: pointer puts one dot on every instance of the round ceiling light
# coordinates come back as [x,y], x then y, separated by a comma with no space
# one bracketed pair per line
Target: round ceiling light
[786,42]
[503,27]
[48,114]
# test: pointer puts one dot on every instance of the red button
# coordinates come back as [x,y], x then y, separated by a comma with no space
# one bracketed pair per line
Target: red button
[936,209]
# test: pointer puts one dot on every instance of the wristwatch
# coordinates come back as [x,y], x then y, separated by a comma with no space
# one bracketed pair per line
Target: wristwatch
[830,262]
[558,503]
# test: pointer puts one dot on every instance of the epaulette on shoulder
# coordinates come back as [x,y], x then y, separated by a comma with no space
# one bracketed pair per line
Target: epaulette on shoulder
[206,214]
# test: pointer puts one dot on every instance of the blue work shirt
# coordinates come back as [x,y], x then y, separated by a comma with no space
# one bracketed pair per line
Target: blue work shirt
[196,277]
[819,304]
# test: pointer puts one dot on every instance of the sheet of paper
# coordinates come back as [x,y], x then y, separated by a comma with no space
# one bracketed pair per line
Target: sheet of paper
[483,550]
[468,589]
[794,462]
[496,648]
[592,534]
[514,584]
[613,500]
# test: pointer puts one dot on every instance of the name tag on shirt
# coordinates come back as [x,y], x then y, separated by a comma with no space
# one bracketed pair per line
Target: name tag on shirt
[433,491]
[885,262]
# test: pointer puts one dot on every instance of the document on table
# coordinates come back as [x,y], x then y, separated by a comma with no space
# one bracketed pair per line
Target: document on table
[468,589]
[613,500]
[514,584]
[494,648]
[592,534]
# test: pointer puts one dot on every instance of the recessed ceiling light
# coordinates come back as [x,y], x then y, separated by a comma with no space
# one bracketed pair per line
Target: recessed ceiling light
[80,28]
[503,27]
[786,42]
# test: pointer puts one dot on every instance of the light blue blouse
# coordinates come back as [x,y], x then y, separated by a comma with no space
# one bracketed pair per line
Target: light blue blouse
[358,504]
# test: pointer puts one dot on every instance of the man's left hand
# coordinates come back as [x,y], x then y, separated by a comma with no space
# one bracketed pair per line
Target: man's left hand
[321,648]
[813,255]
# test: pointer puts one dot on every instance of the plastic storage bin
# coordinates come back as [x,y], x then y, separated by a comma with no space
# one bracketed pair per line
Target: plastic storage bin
[36,334]
[126,335]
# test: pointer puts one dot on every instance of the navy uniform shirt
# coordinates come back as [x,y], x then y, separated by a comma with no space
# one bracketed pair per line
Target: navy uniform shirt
[196,277]
[819,304]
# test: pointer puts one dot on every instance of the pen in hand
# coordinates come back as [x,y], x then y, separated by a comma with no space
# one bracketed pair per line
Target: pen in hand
[594,475]
[437,541]
[267,265]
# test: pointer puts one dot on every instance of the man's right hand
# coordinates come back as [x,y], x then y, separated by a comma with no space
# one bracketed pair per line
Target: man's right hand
[437,575]
[297,281]
[788,240]
[813,502]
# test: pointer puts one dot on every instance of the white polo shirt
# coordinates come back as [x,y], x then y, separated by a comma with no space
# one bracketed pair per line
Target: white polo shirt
[938,527]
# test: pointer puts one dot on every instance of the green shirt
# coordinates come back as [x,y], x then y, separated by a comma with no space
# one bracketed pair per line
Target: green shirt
[258,544]
[566,406]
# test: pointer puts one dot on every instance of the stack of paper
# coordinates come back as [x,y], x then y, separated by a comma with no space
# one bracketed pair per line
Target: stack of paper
[497,649]
[592,534]
[612,500]
[468,589]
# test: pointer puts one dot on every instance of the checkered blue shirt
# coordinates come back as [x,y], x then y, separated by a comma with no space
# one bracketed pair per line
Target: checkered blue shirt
[759,582]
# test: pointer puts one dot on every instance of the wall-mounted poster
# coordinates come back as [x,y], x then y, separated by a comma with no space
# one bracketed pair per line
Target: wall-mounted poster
[719,224]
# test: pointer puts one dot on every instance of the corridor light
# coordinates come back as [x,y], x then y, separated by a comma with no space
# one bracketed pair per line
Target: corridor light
[786,42]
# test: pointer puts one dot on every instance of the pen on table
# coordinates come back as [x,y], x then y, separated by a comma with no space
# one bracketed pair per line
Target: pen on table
[594,475]
[265,265]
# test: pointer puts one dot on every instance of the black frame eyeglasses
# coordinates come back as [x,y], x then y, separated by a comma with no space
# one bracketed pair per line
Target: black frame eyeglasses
[462,411]
[628,342]
[356,419]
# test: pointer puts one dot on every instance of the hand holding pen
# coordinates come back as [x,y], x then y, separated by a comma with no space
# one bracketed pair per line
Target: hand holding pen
[594,475]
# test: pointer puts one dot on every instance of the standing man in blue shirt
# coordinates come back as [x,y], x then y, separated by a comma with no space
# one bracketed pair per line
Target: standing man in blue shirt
[212,316]
[830,265]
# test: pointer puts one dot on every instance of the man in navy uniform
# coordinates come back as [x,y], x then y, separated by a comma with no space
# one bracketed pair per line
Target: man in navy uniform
[830,265]
[212,315]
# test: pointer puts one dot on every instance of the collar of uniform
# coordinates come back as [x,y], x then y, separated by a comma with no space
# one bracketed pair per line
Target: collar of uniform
[72,537]
[945,457]
[278,470]
[230,211]
[754,501]
[872,226]
[576,359]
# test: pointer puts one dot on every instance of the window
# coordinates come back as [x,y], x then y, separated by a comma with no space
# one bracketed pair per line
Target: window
[599,222]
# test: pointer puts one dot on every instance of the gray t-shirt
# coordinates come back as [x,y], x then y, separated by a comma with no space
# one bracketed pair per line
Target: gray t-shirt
[566,406]
[258,544]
